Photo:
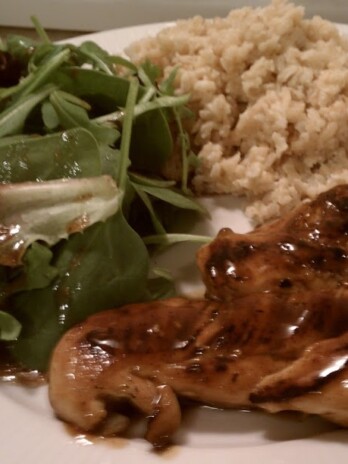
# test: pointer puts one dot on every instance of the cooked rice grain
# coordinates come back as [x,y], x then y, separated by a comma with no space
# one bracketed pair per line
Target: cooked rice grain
[270,91]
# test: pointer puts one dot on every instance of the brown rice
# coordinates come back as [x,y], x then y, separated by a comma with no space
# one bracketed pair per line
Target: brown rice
[270,91]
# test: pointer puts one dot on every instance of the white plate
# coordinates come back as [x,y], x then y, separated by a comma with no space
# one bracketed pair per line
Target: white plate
[30,434]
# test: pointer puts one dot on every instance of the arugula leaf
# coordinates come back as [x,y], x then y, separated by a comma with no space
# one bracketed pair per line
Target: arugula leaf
[102,90]
[174,198]
[72,115]
[9,327]
[97,56]
[37,269]
[49,116]
[161,288]
[154,217]
[166,90]
[100,59]
[42,73]
[40,76]
[13,118]
[151,70]
[126,134]
[36,272]
[151,181]
[40,30]
[149,153]
[167,85]
[20,47]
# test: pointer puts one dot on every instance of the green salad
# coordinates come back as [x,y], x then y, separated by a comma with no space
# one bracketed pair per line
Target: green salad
[84,136]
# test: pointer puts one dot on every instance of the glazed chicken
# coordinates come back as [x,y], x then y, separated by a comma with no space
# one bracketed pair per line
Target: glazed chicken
[305,250]
[271,333]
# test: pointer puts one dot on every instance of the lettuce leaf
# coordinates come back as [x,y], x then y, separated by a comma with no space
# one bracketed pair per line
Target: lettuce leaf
[71,153]
[51,211]
[104,267]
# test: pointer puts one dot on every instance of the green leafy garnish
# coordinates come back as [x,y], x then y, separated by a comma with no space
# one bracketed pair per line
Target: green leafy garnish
[84,137]
[9,327]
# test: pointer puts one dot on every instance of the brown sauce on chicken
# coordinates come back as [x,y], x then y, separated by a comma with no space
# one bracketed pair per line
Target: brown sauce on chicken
[270,334]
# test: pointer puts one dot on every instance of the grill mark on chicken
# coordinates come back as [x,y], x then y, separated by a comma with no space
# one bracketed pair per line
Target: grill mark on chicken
[271,334]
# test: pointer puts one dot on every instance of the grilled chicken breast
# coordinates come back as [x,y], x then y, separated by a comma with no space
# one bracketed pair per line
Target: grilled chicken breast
[305,250]
[150,355]
[316,383]
[271,334]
